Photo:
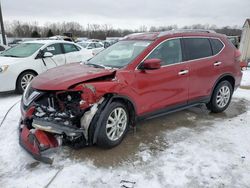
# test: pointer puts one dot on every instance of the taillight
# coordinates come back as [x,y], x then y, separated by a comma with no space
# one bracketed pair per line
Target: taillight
[237,56]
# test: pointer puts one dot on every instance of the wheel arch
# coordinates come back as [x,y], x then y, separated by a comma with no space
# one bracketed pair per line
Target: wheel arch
[229,77]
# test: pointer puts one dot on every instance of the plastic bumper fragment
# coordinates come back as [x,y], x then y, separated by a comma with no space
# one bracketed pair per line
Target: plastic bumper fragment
[35,142]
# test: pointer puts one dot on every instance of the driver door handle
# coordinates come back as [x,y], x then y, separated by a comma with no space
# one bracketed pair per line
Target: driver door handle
[183,72]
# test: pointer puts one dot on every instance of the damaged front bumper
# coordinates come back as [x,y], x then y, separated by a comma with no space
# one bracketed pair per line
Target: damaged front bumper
[56,128]
[37,143]
[55,119]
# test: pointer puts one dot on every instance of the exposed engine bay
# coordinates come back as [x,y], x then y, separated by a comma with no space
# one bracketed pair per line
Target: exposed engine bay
[56,118]
[62,108]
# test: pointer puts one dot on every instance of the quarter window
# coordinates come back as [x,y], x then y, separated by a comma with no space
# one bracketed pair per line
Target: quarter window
[217,45]
[197,48]
[55,49]
[169,52]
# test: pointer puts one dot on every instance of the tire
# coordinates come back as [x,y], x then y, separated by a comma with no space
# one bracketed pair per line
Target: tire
[25,76]
[221,97]
[110,136]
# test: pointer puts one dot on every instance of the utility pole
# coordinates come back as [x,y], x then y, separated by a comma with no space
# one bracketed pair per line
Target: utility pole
[2,25]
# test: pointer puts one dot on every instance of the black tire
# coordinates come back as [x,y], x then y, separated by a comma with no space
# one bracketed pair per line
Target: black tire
[215,106]
[19,87]
[102,138]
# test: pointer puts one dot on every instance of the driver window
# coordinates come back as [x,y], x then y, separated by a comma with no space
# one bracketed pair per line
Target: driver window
[169,52]
[55,49]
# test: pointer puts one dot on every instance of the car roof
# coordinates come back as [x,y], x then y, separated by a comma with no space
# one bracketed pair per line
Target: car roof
[48,41]
[183,32]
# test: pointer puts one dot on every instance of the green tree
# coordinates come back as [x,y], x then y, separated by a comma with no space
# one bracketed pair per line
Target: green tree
[50,33]
[35,34]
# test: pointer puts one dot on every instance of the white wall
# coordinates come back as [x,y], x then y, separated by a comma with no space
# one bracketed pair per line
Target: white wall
[245,42]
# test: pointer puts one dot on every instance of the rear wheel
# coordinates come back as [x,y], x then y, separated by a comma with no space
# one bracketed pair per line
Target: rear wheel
[221,97]
[23,80]
[114,125]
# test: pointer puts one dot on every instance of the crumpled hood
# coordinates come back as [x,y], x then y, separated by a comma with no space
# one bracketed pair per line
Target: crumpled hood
[61,78]
[10,60]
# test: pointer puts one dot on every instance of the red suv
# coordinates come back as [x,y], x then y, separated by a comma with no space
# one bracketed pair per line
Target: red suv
[143,75]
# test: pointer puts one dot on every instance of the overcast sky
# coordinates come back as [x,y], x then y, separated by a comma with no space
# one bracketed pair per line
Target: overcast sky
[129,14]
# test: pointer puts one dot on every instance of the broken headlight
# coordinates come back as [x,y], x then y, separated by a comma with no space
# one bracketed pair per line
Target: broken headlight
[29,95]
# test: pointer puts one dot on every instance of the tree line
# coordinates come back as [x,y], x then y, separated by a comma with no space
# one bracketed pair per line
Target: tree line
[97,31]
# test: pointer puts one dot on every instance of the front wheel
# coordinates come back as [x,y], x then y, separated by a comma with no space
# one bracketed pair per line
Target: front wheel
[114,125]
[221,97]
[23,80]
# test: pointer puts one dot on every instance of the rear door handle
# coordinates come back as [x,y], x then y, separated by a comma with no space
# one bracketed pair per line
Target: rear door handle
[217,63]
[183,72]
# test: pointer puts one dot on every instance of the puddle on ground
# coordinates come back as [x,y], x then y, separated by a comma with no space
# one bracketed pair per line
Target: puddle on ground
[150,133]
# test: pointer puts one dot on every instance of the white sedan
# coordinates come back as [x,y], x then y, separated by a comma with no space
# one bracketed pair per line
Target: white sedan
[94,47]
[20,64]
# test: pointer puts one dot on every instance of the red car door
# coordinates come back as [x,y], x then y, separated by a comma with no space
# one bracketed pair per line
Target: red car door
[164,87]
[203,67]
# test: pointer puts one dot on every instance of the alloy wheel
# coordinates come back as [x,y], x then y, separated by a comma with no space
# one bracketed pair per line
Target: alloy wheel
[116,124]
[26,79]
[223,96]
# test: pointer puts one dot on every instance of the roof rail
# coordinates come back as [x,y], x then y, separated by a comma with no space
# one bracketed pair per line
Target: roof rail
[185,31]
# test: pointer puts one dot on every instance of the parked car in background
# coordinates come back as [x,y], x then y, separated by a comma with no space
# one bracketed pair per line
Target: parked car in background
[20,64]
[235,40]
[94,47]
[3,47]
[15,42]
[243,65]
[105,44]
[142,76]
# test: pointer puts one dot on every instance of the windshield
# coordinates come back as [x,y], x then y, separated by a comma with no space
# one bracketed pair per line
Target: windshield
[83,44]
[22,50]
[119,54]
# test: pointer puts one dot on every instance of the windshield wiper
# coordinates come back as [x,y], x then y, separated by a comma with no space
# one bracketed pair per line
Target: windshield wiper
[9,55]
[96,65]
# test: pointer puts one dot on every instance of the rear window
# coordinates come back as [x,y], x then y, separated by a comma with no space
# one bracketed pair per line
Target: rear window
[217,45]
[197,48]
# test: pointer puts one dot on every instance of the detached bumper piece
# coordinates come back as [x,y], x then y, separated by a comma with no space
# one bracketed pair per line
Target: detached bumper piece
[36,142]
[56,128]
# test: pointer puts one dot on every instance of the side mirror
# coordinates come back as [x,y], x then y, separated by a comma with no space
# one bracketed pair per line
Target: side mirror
[47,54]
[151,64]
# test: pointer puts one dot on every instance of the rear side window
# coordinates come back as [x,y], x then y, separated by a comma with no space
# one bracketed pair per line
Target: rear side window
[217,45]
[69,48]
[197,48]
[55,49]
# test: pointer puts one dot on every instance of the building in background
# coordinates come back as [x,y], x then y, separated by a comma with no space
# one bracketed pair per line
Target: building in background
[245,42]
